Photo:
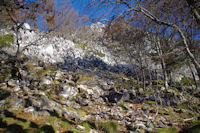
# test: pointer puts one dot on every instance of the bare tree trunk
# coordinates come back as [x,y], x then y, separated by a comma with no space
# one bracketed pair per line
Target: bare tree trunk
[170,78]
[193,74]
[162,62]
[156,74]
[17,41]
[137,78]
[149,72]
[144,78]
[150,77]
[142,69]
[164,73]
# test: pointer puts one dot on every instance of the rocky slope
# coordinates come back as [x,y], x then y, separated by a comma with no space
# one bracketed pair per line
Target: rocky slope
[84,93]
[50,98]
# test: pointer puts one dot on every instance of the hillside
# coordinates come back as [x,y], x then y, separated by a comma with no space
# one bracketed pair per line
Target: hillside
[60,85]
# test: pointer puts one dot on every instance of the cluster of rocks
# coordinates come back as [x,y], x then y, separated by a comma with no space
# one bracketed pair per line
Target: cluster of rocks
[44,91]
[50,49]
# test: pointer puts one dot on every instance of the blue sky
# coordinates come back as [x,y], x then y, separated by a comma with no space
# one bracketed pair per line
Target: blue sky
[103,13]
[96,14]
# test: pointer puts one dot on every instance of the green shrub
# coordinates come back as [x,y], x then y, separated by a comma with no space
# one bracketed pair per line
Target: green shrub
[60,97]
[71,109]
[6,39]
[110,127]
[60,79]
[82,113]
[187,81]
[82,45]
[86,125]
[123,107]
[49,94]
[64,124]
[52,119]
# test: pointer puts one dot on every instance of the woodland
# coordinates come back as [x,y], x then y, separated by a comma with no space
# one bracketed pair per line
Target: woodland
[100,66]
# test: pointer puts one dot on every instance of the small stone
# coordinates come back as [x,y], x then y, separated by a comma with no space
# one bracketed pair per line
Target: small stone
[29,109]
[27,26]
[149,130]
[26,89]
[150,124]
[69,92]
[85,88]
[16,89]
[83,102]
[152,98]
[2,102]
[16,103]
[141,91]
[162,88]
[58,75]
[134,92]
[160,125]
[140,125]
[44,113]
[138,131]
[79,127]
[85,118]
[13,83]
[45,81]
[171,91]
[93,131]
[41,93]
[25,83]
[3,85]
